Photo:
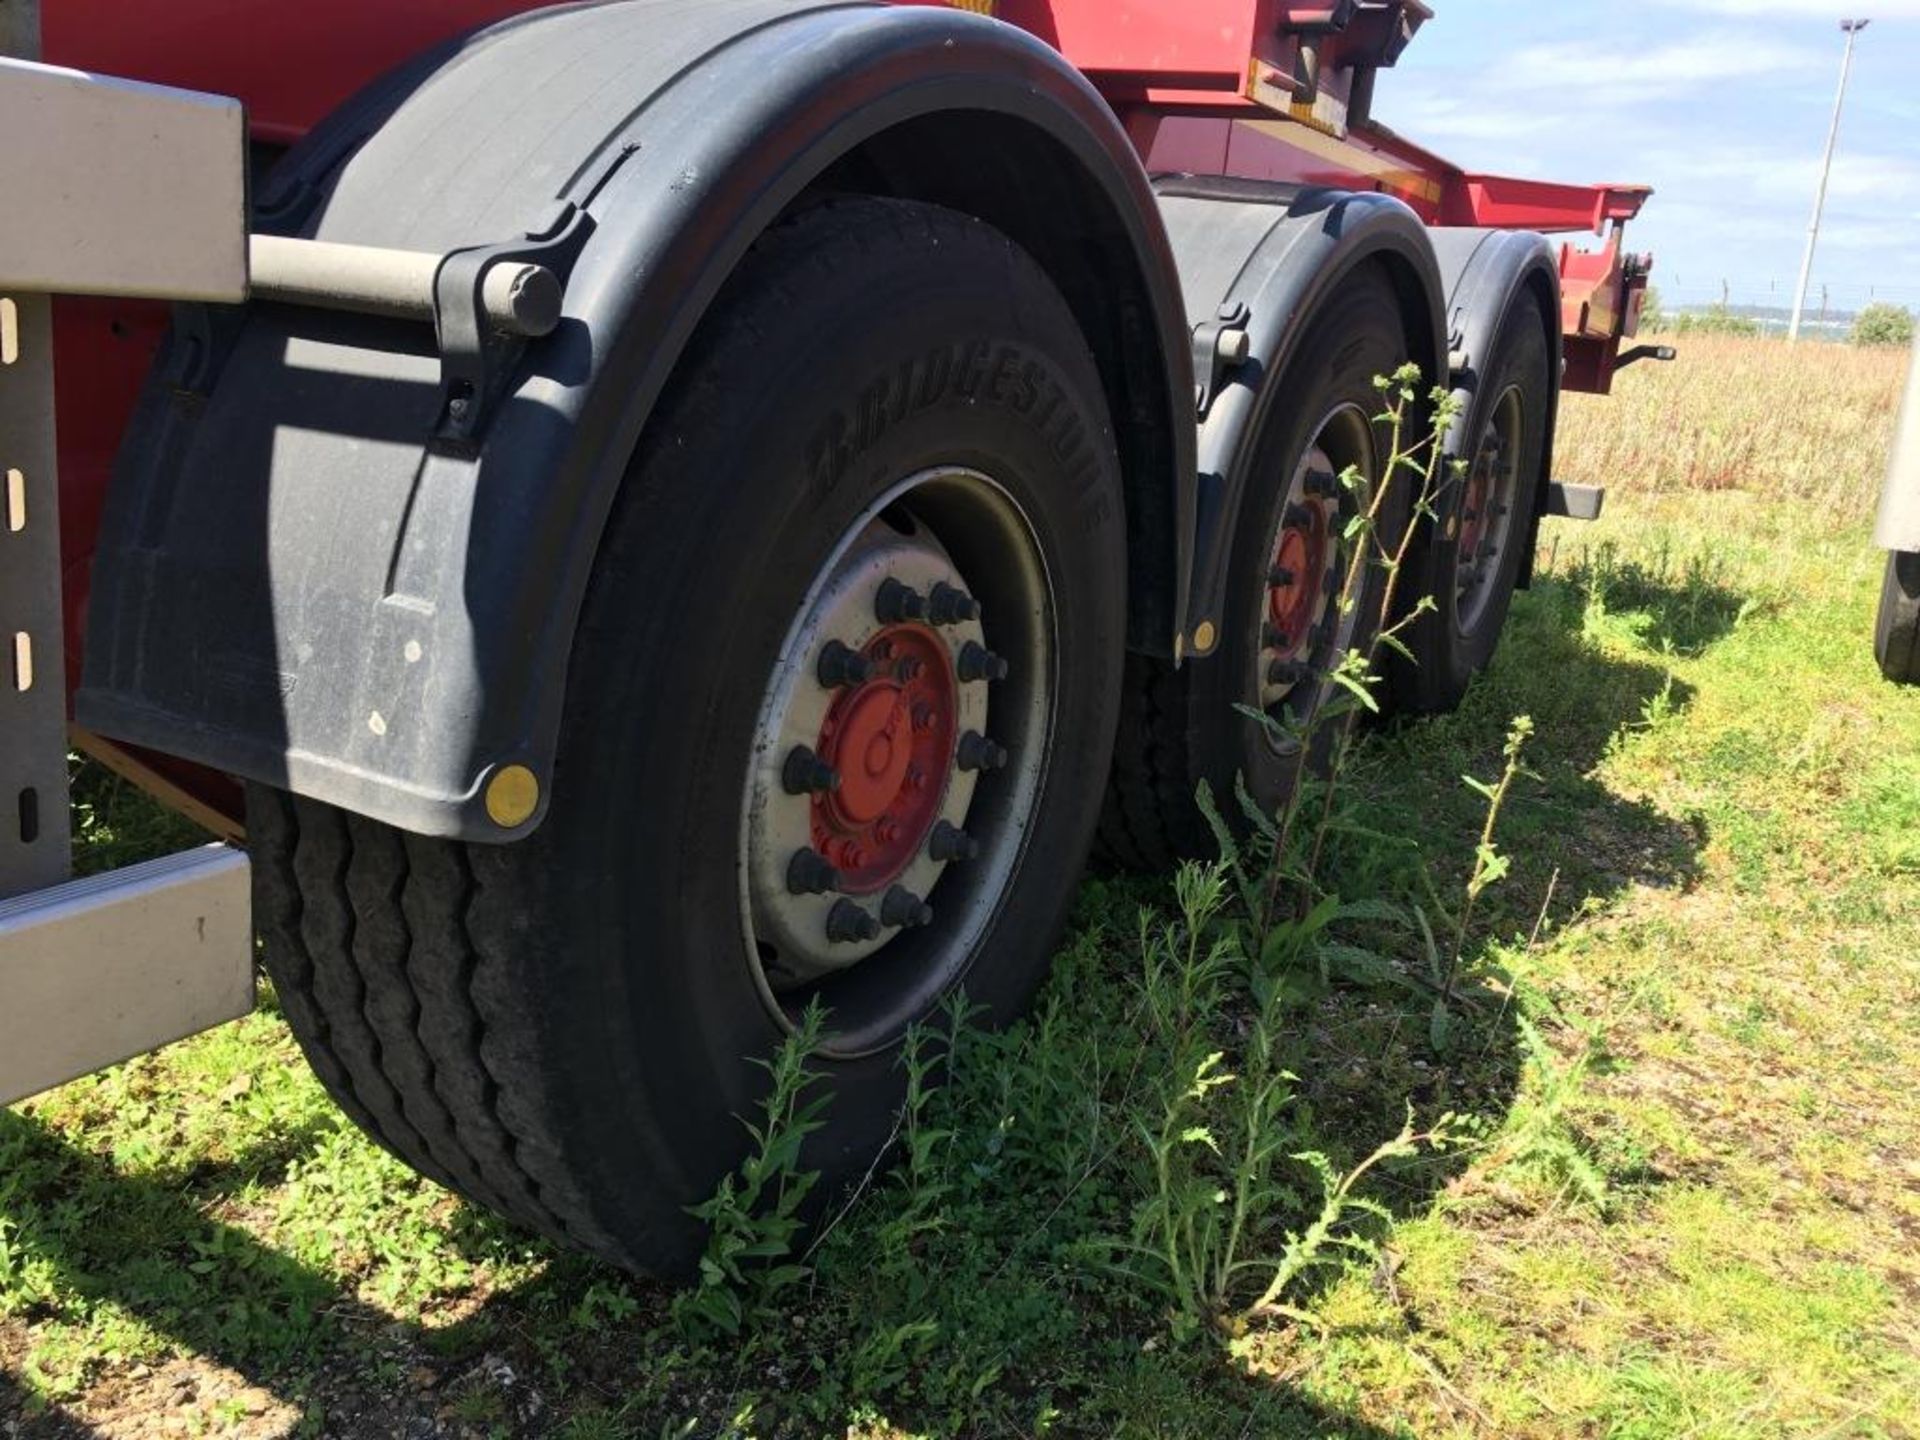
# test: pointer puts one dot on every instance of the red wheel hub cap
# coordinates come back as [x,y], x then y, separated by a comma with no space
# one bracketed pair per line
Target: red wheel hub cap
[1473,507]
[891,739]
[1300,552]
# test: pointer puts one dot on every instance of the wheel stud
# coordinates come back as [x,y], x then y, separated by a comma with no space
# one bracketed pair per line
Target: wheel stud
[805,773]
[950,605]
[1280,577]
[1287,672]
[1322,484]
[977,752]
[904,910]
[950,842]
[842,666]
[847,923]
[808,873]
[895,603]
[979,663]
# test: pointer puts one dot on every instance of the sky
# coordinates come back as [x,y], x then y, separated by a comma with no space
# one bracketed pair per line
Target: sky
[1721,105]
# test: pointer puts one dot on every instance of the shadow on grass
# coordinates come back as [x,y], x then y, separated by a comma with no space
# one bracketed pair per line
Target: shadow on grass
[217,1291]
[1585,656]
[997,1299]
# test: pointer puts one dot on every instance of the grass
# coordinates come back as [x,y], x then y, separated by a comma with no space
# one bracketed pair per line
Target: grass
[1681,1195]
[1752,417]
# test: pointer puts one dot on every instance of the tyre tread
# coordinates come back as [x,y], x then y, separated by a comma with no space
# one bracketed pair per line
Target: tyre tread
[376,967]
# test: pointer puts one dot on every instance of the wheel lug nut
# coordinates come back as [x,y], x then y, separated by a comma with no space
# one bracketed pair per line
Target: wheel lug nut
[809,873]
[950,842]
[916,779]
[950,605]
[805,773]
[847,923]
[977,752]
[979,663]
[1287,672]
[923,717]
[909,669]
[841,666]
[887,832]
[1322,483]
[853,857]
[1280,577]
[904,910]
[895,603]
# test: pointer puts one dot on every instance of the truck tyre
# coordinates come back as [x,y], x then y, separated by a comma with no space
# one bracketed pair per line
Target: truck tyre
[1184,726]
[1483,522]
[838,713]
[1896,630]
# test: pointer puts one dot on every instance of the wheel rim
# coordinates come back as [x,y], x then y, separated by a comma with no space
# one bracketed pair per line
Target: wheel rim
[901,741]
[1302,629]
[1487,510]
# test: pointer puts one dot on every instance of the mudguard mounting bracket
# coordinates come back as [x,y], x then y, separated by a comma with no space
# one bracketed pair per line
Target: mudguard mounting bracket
[475,356]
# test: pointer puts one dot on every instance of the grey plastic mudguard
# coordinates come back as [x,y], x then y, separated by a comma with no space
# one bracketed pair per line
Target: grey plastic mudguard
[1281,251]
[321,570]
[1487,274]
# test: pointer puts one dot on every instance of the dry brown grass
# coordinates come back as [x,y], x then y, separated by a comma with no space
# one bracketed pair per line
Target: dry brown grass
[1811,422]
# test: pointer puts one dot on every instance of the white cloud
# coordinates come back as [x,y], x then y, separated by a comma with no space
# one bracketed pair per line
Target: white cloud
[1609,75]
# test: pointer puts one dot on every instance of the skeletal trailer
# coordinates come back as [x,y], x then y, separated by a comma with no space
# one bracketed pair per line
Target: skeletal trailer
[627,519]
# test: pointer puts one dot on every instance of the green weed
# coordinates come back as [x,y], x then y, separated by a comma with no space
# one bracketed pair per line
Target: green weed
[753,1216]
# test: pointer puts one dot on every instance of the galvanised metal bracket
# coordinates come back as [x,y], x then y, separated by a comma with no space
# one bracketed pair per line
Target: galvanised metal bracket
[34,843]
[34,846]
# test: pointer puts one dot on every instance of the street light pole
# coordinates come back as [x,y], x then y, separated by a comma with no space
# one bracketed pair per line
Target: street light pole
[1852,29]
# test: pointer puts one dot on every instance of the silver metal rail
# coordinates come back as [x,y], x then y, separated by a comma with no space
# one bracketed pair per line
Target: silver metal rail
[33,693]
[97,970]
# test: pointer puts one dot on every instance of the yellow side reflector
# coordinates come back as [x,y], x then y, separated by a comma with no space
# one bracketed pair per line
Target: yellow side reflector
[513,794]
